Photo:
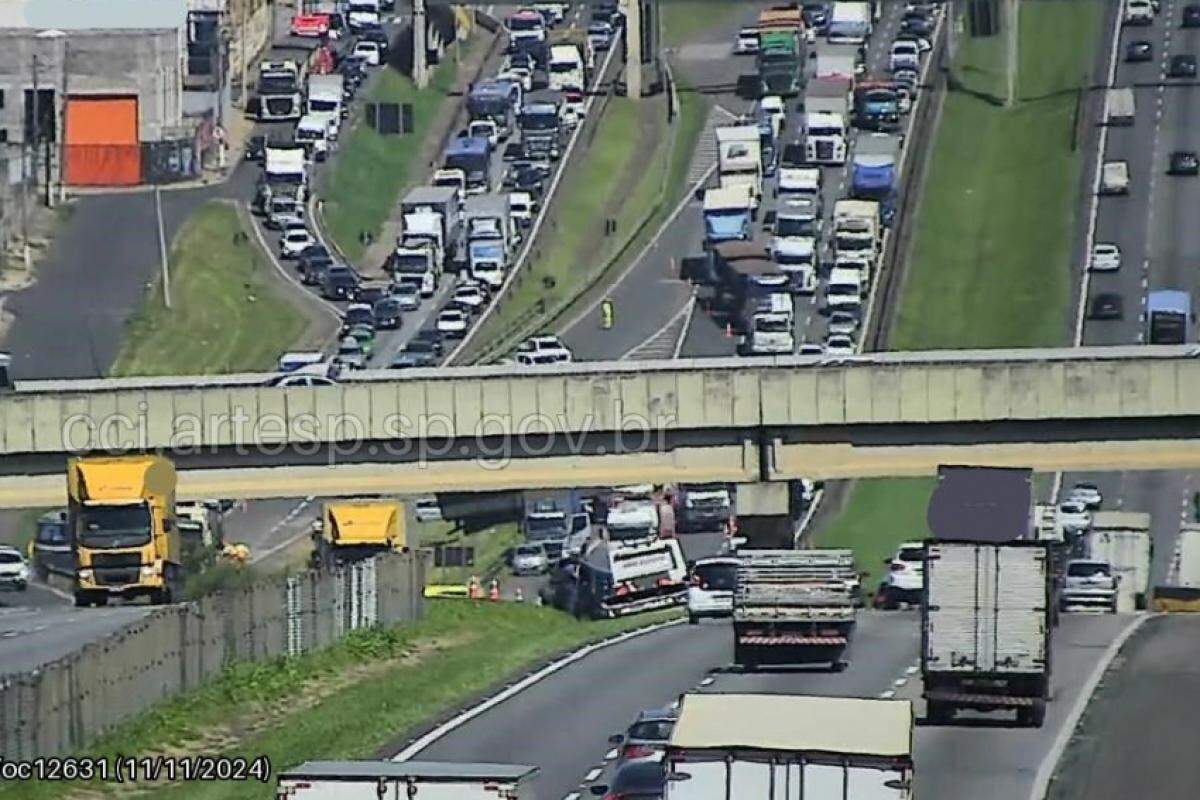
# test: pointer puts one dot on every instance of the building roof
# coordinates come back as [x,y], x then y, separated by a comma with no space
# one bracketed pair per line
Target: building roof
[786,723]
[82,15]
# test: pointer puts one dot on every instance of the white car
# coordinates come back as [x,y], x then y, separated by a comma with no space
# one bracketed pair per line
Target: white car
[369,51]
[530,559]
[427,510]
[294,242]
[519,75]
[904,54]
[453,322]
[710,593]
[843,323]
[304,379]
[905,578]
[484,129]
[1073,515]
[747,42]
[839,344]
[774,107]
[1139,12]
[470,296]
[1088,494]
[14,572]
[1114,178]
[1105,258]
[550,346]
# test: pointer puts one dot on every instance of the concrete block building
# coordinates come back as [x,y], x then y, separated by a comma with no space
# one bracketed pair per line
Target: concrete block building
[92,92]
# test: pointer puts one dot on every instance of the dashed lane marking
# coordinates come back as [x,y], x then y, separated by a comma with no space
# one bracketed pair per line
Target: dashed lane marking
[610,755]
[591,776]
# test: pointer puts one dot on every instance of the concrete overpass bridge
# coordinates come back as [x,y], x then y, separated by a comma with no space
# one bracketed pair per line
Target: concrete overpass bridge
[737,420]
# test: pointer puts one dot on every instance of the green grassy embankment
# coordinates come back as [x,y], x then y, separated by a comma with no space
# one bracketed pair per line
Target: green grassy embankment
[991,260]
[490,545]
[225,316]
[348,701]
[371,170]
[684,20]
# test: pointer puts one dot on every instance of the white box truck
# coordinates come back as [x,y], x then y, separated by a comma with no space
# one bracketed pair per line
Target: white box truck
[1123,539]
[739,159]
[406,780]
[790,747]
[985,629]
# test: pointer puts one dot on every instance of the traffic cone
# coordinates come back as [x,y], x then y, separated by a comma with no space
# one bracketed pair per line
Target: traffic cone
[494,591]
[518,595]
[728,330]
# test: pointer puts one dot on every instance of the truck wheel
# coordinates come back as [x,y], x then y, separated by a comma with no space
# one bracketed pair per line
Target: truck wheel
[1032,716]
[938,712]
[82,600]
[100,599]
[693,619]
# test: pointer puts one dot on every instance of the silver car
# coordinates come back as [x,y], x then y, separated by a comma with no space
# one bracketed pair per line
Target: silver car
[14,572]
[530,559]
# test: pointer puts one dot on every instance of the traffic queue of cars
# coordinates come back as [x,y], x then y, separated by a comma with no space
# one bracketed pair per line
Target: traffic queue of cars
[461,233]
[775,235]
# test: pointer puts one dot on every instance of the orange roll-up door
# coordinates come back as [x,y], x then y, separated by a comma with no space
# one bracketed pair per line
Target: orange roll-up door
[102,142]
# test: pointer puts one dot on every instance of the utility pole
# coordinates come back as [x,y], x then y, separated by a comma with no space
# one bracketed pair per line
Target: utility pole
[633,50]
[420,71]
[245,98]
[1013,35]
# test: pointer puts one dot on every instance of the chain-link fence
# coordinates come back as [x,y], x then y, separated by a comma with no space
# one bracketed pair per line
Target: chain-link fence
[63,705]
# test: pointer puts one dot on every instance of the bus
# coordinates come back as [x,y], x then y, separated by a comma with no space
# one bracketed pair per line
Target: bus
[1168,317]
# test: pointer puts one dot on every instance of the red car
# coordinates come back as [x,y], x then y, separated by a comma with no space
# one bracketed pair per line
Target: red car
[314,26]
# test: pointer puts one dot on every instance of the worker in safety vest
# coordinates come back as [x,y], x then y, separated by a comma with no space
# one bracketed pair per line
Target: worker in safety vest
[607,313]
[474,590]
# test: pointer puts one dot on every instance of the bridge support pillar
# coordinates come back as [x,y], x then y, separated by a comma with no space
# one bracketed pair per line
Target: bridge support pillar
[764,515]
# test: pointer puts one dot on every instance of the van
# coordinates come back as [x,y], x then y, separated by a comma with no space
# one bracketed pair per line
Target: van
[1119,106]
[845,289]
[313,133]
[1114,178]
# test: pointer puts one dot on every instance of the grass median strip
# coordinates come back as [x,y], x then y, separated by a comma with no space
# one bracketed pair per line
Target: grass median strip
[348,701]
[224,315]
[489,546]
[635,186]
[992,256]
[371,169]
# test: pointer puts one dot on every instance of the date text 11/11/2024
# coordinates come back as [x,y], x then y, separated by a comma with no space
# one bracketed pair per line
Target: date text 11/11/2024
[138,769]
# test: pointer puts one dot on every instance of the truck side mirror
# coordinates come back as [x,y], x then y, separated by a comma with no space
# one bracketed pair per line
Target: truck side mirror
[616,738]
[167,525]
[600,789]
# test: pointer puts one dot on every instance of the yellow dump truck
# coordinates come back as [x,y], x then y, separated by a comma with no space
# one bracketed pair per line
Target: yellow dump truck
[354,531]
[122,512]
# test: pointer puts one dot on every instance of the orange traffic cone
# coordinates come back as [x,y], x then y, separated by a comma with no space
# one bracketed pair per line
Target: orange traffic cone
[494,591]
[728,330]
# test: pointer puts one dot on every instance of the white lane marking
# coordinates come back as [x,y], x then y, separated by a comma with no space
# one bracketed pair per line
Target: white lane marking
[1041,782]
[899,682]
[610,755]
[911,670]
[687,325]
[571,796]
[888,695]
[530,680]
[709,681]
[591,776]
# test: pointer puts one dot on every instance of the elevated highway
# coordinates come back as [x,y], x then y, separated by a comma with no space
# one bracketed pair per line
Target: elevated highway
[736,420]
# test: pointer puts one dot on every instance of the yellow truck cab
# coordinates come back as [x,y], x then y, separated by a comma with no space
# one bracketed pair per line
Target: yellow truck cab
[355,531]
[121,510]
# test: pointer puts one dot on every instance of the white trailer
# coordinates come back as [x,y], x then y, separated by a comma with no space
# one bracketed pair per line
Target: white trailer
[788,747]
[850,23]
[406,780]
[1122,538]
[985,638]
[739,159]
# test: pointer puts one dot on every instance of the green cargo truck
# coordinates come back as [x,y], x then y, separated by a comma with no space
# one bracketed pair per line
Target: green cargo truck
[780,59]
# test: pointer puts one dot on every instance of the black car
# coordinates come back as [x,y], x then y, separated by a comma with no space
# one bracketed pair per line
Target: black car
[370,293]
[636,780]
[376,33]
[338,282]
[1107,305]
[1184,162]
[529,180]
[816,15]
[256,148]
[514,151]
[387,313]
[1139,51]
[1191,16]
[1182,66]
[431,336]
[793,156]
[916,23]
[357,315]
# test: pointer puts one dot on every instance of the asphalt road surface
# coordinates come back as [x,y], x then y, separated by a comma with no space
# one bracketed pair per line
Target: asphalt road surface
[1139,736]
[565,720]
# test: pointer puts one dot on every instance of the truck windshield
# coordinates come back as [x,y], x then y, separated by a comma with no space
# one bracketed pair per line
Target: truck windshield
[544,527]
[795,226]
[773,325]
[854,241]
[114,526]
[52,533]
[277,84]
[562,66]
[319,106]
[624,531]
[539,120]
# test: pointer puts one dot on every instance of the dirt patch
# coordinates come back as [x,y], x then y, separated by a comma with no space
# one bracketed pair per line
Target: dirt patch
[252,719]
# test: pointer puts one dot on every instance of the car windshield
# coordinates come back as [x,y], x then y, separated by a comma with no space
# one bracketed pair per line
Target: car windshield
[10,558]
[530,550]
[911,555]
[652,730]
[716,576]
